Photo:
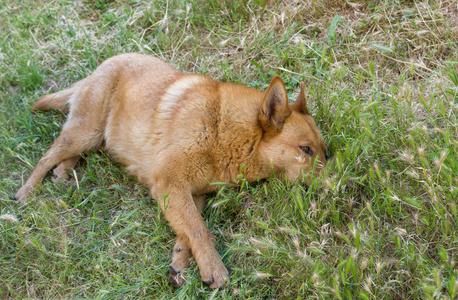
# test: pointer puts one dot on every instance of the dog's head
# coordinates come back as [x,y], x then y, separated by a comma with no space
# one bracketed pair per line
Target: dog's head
[292,143]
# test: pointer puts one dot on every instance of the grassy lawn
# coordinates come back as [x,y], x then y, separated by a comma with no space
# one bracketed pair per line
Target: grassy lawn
[380,223]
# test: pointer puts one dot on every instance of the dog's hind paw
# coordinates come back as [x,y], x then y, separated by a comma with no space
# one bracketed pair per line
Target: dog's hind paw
[60,175]
[23,194]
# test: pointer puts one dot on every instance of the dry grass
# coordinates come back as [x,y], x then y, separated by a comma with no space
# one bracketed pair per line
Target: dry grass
[382,83]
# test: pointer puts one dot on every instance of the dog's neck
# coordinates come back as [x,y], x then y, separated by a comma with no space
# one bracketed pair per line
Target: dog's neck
[239,127]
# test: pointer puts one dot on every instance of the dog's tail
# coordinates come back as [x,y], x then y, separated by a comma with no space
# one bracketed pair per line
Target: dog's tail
[59,100]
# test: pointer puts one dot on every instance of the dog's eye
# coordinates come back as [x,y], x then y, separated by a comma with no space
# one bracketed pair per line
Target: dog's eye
[306,150]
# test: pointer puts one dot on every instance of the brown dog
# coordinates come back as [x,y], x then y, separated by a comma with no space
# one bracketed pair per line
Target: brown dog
[177,134]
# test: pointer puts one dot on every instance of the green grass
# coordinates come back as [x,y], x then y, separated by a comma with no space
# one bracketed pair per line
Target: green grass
[381,223]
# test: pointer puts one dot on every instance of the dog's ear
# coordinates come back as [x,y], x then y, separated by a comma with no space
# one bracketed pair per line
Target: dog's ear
[301,102]
[275,108]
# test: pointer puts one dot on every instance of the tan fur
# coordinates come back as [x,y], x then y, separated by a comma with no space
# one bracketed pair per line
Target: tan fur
[178,133]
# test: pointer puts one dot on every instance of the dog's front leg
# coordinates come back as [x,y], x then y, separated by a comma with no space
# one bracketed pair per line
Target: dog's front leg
[182,251]
[184,217]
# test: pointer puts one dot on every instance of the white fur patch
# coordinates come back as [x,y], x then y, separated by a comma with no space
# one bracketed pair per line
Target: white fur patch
[300,159]
[175,92]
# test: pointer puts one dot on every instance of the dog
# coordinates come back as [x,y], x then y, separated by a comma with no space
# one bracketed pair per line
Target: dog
[178,133]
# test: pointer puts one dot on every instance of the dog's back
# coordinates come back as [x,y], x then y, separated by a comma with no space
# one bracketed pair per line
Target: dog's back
[103,85]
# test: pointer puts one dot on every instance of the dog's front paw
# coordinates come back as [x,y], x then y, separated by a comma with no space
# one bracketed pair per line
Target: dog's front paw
[180,261]
[176,277]
[215,275]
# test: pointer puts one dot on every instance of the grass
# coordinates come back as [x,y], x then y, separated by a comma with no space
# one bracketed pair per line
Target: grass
[381,223]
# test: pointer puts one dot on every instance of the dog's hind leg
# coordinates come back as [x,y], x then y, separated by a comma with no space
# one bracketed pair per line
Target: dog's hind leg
[76,137]
[182,251]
